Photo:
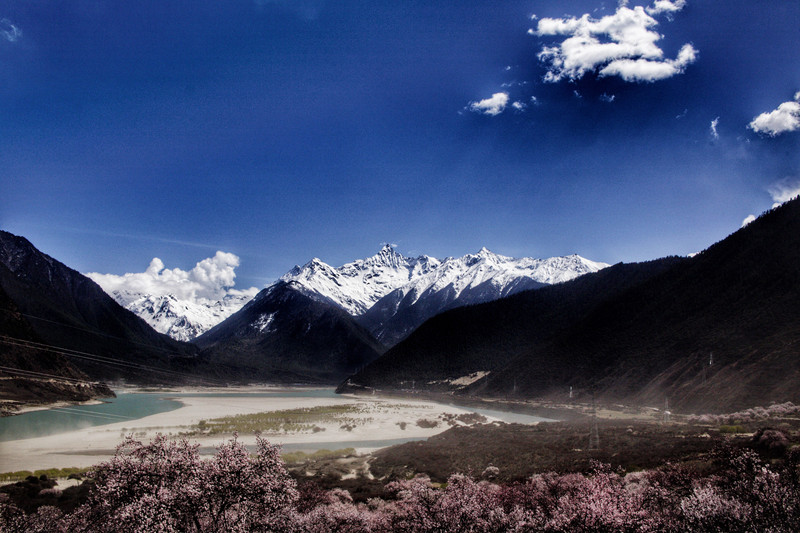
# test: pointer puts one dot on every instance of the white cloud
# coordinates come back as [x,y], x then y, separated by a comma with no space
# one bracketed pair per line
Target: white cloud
[713,128]
[608,98]
[8,31]
[786,118]
[748,219]
[783,191]
[211,279]
[519,106]
[491,106]
[665,6]
[622,44]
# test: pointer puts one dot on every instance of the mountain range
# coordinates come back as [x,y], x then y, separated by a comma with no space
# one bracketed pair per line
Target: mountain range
[317,322]
[715,332]
[388,293]
[181,319]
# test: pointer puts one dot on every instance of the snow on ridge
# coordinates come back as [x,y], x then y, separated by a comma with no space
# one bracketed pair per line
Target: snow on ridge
[358,285]
[183,320]
[473,270]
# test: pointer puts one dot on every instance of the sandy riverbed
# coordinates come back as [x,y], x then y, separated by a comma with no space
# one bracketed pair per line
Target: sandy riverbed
[377,419]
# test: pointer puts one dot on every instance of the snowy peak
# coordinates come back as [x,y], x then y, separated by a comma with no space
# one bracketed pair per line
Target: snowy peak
[471,279]
[358,285]
[183,320]
[501,272]
[388,284]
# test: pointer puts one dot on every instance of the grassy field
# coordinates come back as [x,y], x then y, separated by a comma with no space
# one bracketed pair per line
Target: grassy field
[51,473]
[285,421]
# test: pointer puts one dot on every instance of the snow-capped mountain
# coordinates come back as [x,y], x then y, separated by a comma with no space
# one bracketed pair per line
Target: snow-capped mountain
[391,294]
[182,320]
[388,293]
[356,286]
[471,279]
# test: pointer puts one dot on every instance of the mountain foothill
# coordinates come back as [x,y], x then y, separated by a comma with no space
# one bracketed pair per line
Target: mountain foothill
[717,331]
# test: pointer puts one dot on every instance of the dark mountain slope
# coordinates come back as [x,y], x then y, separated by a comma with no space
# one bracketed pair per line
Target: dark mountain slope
[486,337]
[286,334]
[648,340]
[736,306]
[400,312]
[29,375]
[68,310]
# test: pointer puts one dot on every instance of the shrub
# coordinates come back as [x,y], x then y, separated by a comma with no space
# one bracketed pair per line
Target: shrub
[427,424]
[165,486]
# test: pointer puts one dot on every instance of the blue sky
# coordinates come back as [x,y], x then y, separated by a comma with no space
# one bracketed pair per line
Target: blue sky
[280,130]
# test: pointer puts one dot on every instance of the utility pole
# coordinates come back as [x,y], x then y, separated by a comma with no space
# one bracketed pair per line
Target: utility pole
[666,410]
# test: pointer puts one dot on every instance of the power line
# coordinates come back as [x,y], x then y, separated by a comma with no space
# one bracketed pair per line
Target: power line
[98,333]
[98,359]
[31,373]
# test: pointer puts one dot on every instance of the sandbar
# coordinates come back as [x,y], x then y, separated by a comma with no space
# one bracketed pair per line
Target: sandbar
[377,419]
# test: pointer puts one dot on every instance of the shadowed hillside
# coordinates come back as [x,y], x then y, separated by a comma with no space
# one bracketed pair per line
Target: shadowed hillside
[636,333]
[284,334]
[69,311]
[30,375]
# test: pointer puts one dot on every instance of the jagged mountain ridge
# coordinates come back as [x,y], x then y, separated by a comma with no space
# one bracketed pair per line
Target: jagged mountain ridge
[315,314]
[181,319]
[467,280]
[388,293]
[391,294]
[357,286]
[649,340]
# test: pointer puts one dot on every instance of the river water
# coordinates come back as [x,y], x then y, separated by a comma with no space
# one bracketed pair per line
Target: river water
[134,405]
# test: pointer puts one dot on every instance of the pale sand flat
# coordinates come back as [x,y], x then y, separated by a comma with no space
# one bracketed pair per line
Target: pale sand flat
[379,420]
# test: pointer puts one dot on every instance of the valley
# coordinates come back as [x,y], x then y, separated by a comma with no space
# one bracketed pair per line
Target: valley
[390,368]
[299,419]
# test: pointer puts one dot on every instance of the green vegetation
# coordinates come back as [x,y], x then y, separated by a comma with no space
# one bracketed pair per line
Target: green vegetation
[301,457]
[51,473]
[289,420]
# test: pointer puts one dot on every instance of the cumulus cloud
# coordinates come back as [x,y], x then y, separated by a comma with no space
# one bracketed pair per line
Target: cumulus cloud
[8,31]
[608,98]
[519,106]
[748,219]
[712,129]
[622,44]
[210,280]
[491,106]
[783,191]
[784,119]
